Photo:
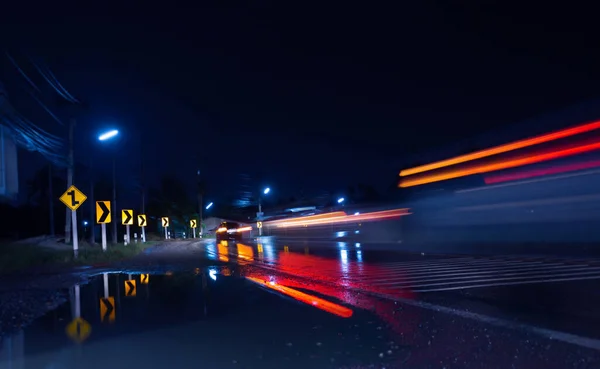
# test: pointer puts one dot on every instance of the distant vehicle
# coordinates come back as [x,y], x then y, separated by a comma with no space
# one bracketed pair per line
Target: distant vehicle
[231,231]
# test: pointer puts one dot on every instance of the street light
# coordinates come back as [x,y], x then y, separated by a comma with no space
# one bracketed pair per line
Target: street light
[341,200]
[209,206]
[260,214]
[105,137]
[108,135]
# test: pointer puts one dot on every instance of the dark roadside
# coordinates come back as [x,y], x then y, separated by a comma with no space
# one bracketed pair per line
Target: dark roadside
[30,288]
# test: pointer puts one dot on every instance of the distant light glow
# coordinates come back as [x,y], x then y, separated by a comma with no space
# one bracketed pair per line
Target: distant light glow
[357,213]
[341,200]
[267,190]
[85,222]
[209,206]
[108,135]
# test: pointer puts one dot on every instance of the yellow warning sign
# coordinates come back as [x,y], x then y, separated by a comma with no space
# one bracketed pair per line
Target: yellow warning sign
[130,288]
[127,217]
[258,224]
[144,278]
[193,223]
[141,220]
[165,222]
[78,330]
[73,198]
[107,309]
[103,212]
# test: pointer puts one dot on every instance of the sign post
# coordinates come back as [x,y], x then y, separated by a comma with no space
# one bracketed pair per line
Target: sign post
[193,224]
[78,329]
[103,217]
[165,224]
[259,216]
[73,198]
[127,220]
[107,303]
[142,224]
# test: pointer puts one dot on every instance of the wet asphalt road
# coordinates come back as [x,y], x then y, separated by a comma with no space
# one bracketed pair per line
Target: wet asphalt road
[263,303]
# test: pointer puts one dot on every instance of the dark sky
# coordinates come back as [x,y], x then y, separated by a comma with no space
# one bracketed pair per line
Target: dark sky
[314,96]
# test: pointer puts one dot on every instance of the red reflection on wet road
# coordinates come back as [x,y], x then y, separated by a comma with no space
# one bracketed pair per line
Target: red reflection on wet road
[317,302]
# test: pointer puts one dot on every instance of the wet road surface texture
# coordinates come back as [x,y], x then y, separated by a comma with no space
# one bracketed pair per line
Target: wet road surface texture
[268,304]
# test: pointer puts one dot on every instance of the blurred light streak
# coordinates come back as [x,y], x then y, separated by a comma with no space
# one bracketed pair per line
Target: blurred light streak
[503,148]
[542,179]
[499,178]
[338,217]
[317,302]
[525,159]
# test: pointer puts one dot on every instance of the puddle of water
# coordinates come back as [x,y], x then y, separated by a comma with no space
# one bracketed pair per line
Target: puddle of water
[213,317]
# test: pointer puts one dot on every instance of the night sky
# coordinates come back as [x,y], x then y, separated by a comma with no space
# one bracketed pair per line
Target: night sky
[314,97]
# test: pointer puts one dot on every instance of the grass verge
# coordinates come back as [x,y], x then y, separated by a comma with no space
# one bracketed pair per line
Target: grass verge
[16,257]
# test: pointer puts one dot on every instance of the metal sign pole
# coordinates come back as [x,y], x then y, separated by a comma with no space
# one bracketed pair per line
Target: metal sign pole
[166,235]
[144,234]
[103,236]
[194,230]
[75,238]
[105,283]
[128,235]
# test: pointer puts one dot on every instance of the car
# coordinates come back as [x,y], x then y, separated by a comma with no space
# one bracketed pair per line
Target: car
[231,231]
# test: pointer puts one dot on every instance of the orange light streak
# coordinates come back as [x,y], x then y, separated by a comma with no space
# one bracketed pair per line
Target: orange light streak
[338,217]
[503,148]
[311,300]
[498,165]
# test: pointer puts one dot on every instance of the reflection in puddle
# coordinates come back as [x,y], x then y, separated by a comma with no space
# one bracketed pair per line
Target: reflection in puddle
[317,302]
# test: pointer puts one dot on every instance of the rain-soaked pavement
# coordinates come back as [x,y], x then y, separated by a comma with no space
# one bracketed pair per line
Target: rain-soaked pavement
[268,304]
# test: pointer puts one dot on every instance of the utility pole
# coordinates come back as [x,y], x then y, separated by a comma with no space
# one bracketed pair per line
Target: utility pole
[70,170]
[51,199]
[92,203]
[200,190]
[114,202]
[143,190]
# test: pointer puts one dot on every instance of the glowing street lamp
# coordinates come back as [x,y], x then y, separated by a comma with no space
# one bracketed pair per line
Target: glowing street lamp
[209,206]
[105,137]
[341,200]
[108,135]
[265,192]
